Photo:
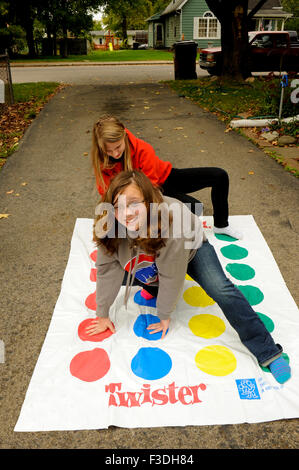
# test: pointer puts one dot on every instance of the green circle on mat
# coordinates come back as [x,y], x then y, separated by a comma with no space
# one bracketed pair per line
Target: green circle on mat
[234,252]
[243,272]
[253,294]
[267,321]
[225,238]
[284,355]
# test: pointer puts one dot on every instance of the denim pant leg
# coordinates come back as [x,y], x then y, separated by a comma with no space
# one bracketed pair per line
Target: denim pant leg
[206,270]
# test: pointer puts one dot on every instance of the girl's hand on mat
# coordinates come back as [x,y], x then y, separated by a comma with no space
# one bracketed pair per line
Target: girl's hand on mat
[99,325]
[157,327]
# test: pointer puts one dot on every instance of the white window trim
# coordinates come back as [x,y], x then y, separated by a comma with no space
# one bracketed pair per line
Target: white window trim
[196,26]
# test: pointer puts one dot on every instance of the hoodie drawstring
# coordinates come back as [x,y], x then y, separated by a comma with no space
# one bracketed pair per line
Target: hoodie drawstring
[131,277]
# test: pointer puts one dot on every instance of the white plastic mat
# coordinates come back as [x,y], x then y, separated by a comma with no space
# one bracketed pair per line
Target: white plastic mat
[200,374]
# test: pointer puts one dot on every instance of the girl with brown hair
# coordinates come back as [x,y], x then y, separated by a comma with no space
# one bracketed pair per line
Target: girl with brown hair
[133,235]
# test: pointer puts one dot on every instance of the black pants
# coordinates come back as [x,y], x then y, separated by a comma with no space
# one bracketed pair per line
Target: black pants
[181,182]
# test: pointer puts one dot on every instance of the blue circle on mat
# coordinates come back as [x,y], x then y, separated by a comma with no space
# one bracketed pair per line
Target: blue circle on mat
[151,363]
[141,324]
[141,301]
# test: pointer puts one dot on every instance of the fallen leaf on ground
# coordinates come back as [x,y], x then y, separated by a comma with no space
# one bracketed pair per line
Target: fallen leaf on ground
[4,216]
[251,172]
[178,128]
[10,192]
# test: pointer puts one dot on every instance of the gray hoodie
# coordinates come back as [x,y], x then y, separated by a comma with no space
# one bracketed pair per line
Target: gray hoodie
[167,269]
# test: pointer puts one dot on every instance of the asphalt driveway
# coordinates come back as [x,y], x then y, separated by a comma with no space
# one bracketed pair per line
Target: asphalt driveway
[51,172]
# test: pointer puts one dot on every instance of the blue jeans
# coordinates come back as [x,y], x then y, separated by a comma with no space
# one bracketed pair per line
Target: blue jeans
[207,271]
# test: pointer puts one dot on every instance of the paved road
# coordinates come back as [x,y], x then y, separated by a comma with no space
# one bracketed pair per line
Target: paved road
[97,74]
[60,188]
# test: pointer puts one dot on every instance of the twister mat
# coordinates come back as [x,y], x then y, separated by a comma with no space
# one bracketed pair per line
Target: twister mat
[200,374]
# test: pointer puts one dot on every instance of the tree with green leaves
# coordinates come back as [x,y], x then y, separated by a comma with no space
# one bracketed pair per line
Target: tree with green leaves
[10,34]
[61,16]
[292,6]
[57,17]
[23,13]
[121,15]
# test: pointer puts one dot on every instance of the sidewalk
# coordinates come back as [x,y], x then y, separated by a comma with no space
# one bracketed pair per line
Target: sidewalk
[51,172]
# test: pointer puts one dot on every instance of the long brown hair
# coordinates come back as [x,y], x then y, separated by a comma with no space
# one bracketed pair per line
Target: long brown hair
[151,194]
[107,129]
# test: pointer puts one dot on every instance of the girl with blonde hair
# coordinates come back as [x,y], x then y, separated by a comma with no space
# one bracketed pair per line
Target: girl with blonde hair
[115,149]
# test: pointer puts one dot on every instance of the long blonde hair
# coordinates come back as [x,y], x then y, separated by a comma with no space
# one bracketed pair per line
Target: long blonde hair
[108,129]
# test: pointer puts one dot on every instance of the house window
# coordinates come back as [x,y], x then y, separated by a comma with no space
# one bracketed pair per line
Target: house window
[206,27]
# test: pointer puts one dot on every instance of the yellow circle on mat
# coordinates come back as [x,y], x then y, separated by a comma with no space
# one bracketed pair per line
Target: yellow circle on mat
[206,326]
[197,297]
[216,360]
[188,278]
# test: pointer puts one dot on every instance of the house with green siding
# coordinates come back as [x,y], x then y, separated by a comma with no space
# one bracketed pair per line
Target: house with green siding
[192,20]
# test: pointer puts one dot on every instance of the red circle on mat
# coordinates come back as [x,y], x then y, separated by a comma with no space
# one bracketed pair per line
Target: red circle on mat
[90,301]
[93,255]
[90,365]
[93,275]
[86,337]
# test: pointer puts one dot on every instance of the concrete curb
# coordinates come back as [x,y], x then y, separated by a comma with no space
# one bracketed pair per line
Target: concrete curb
[57,64]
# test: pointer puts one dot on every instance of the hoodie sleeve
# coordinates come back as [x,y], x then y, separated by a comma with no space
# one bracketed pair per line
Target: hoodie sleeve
[149,162]
[172,266]
[144,158]
[110,275]
[172,263]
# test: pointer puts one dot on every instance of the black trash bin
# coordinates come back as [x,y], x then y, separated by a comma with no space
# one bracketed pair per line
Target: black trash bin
[185,60]
[135,45]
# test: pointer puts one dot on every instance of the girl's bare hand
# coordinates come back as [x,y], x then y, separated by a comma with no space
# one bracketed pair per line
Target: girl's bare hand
[161,326]
[99,325]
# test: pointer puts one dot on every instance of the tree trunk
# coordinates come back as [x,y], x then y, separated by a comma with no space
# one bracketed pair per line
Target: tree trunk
[234,37]
[29,37]
[49,40]
[234,42]
[63,50]
[55,43]
[124,32]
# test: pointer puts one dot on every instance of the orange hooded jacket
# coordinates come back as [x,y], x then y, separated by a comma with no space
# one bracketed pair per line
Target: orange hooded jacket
[144,159]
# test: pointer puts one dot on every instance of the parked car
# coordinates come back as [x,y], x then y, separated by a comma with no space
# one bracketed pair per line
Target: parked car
[269,51]
[293,37]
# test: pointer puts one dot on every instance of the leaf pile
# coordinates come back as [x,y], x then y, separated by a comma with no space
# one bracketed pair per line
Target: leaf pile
[16,118]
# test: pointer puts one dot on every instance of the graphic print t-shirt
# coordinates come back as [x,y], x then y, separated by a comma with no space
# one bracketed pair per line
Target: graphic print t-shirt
[146,271]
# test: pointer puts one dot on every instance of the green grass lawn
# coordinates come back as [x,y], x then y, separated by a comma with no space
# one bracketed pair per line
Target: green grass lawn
[126,55]
[35,92]
[260,98]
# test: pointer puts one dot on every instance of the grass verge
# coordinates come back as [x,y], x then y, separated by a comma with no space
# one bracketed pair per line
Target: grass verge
[256,99]
[126,55]
[29,99]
